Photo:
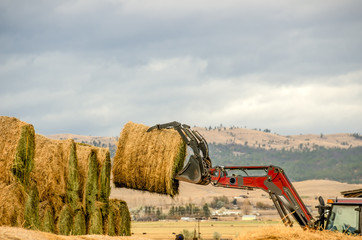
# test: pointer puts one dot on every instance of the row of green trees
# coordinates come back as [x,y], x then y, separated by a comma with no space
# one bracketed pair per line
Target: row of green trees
[189,210]
[343,165]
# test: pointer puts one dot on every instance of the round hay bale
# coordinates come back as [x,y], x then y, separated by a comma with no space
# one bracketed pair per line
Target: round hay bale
[113,217]
[65,221]
[31,212]
[79,223]
[102,158]
[105,179]
[91,184]
[73,186]
[95,225]
[148,160]
[46,215]
[12,202]
[125,219]
[17,146]
[51,169]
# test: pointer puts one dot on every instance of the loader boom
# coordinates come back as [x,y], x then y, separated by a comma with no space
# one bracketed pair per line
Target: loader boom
[272,180]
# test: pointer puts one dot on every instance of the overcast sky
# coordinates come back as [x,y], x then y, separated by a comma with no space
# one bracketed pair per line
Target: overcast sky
[88,67]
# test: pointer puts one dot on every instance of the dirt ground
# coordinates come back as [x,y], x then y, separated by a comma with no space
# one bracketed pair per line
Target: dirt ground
[12,233]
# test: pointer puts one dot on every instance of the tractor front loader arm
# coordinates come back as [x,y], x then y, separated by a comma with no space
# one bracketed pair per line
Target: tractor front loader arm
[271,179]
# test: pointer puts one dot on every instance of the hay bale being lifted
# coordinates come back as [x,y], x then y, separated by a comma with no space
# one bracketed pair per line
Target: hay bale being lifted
[17,146]
[148,160]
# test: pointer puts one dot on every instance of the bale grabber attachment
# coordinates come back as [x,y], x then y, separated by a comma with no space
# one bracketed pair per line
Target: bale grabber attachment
[196,168]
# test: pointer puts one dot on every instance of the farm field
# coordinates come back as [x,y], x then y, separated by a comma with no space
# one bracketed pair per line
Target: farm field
[168,229]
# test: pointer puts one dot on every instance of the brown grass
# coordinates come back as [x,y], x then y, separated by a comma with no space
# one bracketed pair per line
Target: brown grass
[148,160]
[260,139]
[295,233]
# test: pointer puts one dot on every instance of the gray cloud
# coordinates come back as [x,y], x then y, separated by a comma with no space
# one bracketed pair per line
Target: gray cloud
[88,67]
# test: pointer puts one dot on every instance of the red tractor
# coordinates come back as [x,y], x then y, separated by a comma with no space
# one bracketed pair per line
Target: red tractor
[341,214]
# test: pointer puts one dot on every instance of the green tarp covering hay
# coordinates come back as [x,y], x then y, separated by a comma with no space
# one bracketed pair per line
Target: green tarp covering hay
[17,146]
[148,160]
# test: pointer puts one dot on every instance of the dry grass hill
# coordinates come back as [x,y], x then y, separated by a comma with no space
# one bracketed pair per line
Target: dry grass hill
[243,136]
[266,140]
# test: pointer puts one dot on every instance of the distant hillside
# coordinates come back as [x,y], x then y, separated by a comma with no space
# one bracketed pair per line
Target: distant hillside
[266,140]
[247,137]
[331,156]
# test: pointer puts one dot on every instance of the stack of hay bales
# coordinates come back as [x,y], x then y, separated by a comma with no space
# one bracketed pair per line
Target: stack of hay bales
[148,160]
[56,186]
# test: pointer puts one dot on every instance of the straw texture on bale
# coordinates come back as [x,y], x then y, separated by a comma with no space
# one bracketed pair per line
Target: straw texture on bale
[12,202]
[125,219]
[65,221]
[148,160]
[119,218]
[79,224]
[91,184]
[105,179]
[91,161]
[51,169]
[46,215]
[94,171]
[73,187]
[31,212]
[111,226]
[17,146]
[95,220]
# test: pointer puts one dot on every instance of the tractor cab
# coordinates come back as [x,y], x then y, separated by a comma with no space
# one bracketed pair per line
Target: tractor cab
[345,215]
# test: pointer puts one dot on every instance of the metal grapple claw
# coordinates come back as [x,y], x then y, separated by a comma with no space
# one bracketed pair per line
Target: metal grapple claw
[196,169]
